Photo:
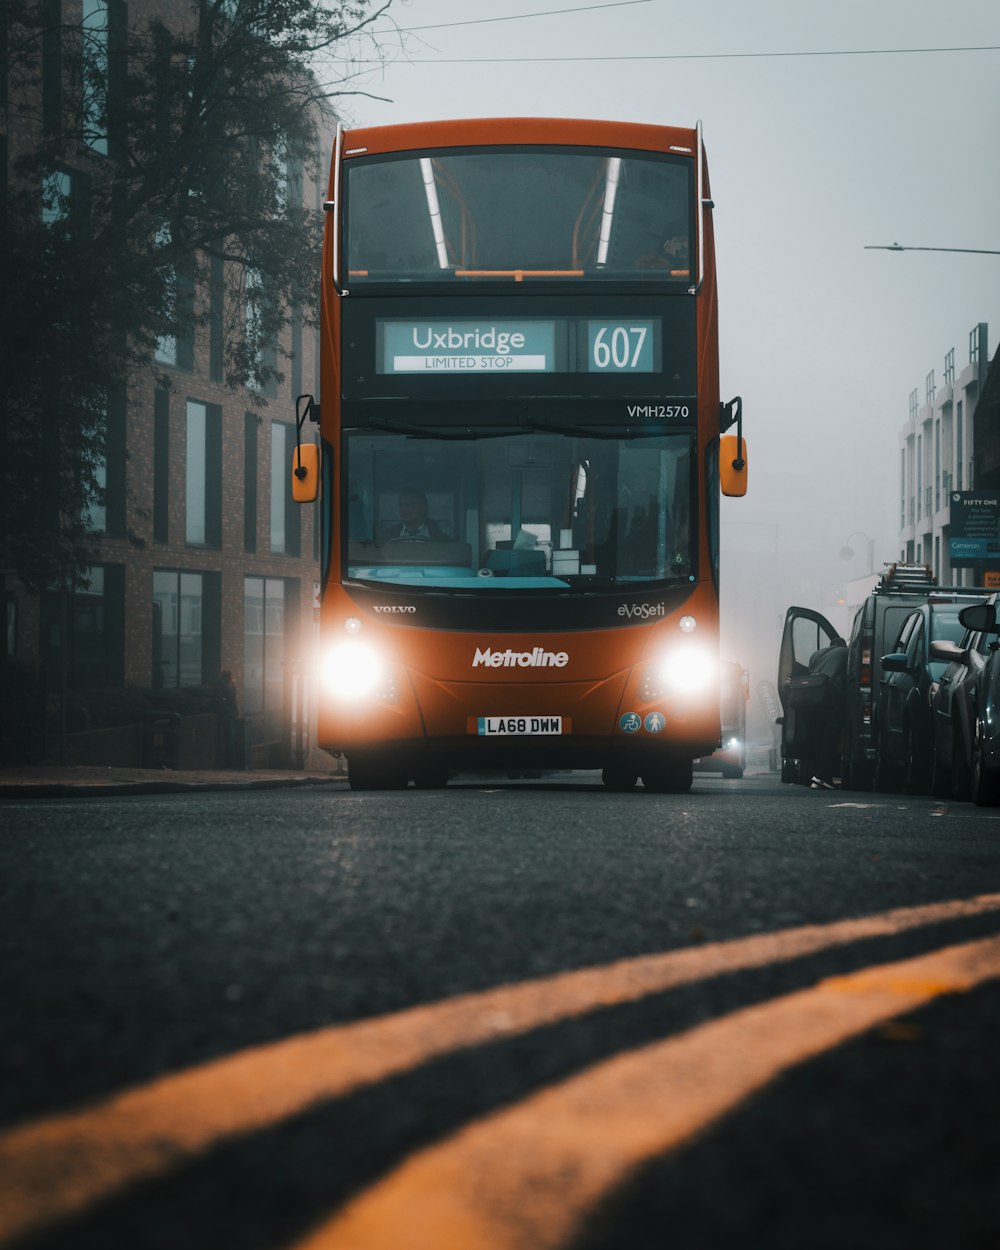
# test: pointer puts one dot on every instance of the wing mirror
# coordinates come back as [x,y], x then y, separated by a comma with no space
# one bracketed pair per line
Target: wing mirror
[305,473]
[733,465]
[732,450]
[949,652]
[982,617]
[896,662]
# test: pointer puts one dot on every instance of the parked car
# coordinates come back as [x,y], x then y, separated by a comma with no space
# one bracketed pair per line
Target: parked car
[730,758]
[904,726]
[875,628]
[966,710]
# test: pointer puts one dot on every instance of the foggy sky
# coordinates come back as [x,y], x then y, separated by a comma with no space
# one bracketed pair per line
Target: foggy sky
[810,159]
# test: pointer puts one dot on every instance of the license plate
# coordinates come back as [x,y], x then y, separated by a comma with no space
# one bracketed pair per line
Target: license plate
[518,726]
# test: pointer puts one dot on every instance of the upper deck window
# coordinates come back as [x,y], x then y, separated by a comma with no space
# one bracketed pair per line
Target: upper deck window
[524,214]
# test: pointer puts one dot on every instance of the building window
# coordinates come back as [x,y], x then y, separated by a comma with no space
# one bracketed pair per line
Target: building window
[203,475]
[57,192]
[98,637]
[263,644]
[92,620]
[51,65]
[178,614]
[95,85]
[902,488]
[286,520]
[216,316]
[66,198]
[176,349]
[263,350]
[250,424]
[161,465]
[97,511]
[296,362]
[959,432]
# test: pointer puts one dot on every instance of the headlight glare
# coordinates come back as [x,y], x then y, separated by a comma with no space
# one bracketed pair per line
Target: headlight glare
[689,670]
[352,670]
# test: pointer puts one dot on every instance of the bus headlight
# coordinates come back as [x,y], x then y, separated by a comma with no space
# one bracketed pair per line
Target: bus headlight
[351,670]
[685,670]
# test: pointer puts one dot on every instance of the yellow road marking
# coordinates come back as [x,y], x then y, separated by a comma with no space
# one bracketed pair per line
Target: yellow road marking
[527,1175]
[59,1165]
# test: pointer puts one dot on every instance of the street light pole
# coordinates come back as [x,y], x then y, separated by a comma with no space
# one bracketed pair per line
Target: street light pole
[847,551]
[899,247]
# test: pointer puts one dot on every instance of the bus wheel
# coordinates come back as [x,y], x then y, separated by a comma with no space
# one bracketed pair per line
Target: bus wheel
[431,778]
[366,774]
[674,777]
[619,778]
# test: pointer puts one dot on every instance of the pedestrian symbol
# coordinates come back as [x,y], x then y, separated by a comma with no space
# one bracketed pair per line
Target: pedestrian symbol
[631,722]
[655,722]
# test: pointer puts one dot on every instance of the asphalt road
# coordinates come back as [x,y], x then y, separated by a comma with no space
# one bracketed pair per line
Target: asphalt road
[504,1015]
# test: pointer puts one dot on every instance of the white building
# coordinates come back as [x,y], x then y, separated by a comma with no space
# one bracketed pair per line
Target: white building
[936,458]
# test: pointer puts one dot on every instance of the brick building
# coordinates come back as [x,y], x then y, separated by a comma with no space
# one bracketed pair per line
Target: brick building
[203,563]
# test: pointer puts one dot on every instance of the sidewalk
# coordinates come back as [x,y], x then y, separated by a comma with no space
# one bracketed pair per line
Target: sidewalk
[47,781]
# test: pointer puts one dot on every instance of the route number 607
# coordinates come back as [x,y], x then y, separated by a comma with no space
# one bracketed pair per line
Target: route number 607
[619,347]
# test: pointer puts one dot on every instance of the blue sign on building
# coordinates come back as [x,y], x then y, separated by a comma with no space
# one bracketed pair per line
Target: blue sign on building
[974,537]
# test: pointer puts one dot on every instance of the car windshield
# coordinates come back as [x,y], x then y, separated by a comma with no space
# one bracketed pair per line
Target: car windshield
[518,215]
[515,511]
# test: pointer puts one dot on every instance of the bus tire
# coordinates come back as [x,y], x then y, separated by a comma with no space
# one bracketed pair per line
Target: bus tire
[619,778]
[431,778]
[671,777]
[364,773]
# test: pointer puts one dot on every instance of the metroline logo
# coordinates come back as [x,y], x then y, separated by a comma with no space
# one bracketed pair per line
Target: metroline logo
[536,658]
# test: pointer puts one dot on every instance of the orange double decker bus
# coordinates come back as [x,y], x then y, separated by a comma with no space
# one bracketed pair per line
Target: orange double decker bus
[521,451]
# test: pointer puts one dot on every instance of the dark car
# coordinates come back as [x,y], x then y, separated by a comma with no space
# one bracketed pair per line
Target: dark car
[875,628]
[904,727]
[966,710]
[730,758]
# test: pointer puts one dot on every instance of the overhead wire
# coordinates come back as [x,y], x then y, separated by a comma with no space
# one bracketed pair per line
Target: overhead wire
[681,56]
[513,17]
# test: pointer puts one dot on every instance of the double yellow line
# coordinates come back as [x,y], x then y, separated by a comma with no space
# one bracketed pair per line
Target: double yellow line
[527,1174]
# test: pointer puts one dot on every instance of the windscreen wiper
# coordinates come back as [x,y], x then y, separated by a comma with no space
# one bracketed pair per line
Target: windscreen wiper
[592,431]
[458,433]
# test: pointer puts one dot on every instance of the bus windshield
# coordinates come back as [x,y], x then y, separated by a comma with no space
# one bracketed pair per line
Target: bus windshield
[514,215]
[509,511]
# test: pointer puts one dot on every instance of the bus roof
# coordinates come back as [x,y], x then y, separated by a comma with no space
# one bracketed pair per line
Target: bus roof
[520,130]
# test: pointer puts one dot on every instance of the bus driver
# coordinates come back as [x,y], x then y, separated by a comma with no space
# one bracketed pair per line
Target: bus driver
[414,523]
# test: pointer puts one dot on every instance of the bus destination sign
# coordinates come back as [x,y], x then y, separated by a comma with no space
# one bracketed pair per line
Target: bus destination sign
[528,345]
[468,346]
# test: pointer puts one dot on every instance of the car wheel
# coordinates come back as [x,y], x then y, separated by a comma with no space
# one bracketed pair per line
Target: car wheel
[940,777]
[961,779]
[917,778]
[888,778]
[985,785]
